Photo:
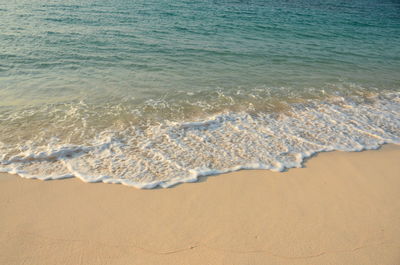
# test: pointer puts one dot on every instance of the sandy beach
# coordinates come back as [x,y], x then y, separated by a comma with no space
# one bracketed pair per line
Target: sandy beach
[341,208]
[116,117]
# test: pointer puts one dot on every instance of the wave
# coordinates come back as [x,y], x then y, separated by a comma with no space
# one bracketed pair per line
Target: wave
[171,152]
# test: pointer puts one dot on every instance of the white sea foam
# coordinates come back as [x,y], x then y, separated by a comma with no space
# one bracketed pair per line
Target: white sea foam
[175,152]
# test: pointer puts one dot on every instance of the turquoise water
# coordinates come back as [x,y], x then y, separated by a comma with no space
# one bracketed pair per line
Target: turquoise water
[114,90]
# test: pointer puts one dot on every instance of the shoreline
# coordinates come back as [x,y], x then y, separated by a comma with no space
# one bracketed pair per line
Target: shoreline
[169,153]
[194,178]
[340,208]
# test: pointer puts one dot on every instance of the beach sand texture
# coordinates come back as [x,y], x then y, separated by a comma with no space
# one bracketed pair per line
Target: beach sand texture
[342,208]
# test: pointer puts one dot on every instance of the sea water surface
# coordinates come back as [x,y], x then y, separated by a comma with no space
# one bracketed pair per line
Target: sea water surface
[158,92]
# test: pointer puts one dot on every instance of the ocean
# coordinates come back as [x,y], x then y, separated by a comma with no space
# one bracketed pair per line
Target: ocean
[155,93]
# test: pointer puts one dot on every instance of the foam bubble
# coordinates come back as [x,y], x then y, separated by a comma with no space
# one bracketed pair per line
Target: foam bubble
[171,152]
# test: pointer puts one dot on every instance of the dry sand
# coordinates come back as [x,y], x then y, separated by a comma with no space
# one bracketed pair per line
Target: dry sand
[341,209]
